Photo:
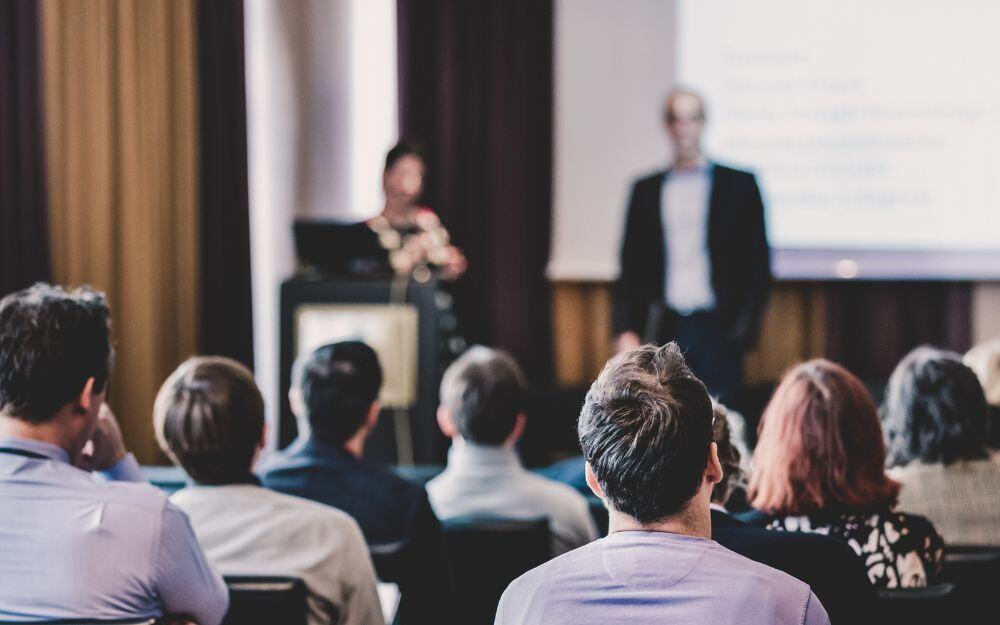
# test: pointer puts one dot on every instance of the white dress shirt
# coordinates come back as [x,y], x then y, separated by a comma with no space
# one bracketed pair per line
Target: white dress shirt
[684,203]
[74,545]
[490,481]
[248,530]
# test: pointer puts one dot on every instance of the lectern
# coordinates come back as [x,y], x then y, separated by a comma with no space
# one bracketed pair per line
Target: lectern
[401,319]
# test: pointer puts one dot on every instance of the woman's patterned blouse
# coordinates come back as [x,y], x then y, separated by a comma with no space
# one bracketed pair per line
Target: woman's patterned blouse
[899,550]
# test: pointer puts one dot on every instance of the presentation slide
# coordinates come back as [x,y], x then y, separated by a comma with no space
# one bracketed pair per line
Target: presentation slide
[874,128]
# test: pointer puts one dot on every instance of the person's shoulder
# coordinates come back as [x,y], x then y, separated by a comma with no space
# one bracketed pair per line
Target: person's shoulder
[308,511]
[555,493]
[721,169]
[649,178]
[755,573]
[906,522]
[551,571]
[139,497]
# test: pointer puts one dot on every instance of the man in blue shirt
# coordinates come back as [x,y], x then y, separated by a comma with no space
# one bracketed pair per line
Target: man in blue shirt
[646,432]
[334,396]
[79,541]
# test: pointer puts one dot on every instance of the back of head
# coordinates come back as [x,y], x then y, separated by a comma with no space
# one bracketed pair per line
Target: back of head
[934,409]
[209,418]
[820,446]
[646,429]
[403,148]
[51,343]
[729,456]
[984,359]
[483,391]
[338,383]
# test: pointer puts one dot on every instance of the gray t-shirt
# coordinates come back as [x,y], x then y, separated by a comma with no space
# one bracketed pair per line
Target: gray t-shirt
[657,578]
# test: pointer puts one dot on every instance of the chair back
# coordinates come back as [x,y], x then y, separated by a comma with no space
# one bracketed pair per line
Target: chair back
[975,571]
[265,600]
[125,621]
[486,554]
[168,479]
[930,605]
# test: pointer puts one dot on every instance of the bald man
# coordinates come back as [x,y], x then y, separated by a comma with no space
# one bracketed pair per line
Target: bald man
[695,264]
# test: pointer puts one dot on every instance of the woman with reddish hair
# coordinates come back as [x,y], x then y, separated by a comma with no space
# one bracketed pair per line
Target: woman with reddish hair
[819,466]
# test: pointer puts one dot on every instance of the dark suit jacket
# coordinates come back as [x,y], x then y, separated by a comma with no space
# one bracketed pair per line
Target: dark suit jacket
[389,509]
[834,572]
[737,246]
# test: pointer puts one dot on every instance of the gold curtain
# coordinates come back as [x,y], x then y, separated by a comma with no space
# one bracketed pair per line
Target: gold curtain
[121,112]
[792,330]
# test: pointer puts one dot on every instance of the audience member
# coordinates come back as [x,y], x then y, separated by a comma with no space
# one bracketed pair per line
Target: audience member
[209,418]
[984,359]
[819,467]
[935,419]
[646,431]
[334,396]
[75,545]
[829,566]
[482,394]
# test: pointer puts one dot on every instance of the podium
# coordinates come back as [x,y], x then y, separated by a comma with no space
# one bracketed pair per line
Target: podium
[401,319]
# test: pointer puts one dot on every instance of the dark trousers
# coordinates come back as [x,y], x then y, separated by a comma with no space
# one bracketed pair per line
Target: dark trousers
[717,362]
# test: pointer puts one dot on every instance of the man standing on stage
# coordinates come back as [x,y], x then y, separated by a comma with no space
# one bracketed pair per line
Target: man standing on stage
[695,264]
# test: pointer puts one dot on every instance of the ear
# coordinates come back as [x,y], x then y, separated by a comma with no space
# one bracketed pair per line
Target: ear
[262,443]
[445,423]
[713,468]
[592,482]
[85,400]
[519,422]
[296,402]
[372,418]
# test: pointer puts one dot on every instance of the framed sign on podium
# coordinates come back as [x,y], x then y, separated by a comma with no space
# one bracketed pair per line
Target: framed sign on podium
[398,318]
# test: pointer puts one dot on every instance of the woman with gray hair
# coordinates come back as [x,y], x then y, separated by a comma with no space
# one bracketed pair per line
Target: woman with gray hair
[935,419]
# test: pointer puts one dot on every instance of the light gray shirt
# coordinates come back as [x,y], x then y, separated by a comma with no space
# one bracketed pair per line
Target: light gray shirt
[490,481]
[657,578]
[248,530]
[76,545]
[684,202]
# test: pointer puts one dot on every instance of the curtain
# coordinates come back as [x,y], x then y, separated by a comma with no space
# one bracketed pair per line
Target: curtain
[475,87]
[121,104]
[226,322]
[872,325]
[23,238]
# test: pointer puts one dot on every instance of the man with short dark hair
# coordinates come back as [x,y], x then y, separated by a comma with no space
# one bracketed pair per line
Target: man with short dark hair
[646,432]
[74,545]
[209,418]
[482,411]
[334,396]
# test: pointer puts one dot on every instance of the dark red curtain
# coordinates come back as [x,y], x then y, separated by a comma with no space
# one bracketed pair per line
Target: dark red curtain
[226,325]
[24,255]
[475,85]
[871,326]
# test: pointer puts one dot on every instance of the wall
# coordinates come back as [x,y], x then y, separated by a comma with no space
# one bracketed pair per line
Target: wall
[321,114]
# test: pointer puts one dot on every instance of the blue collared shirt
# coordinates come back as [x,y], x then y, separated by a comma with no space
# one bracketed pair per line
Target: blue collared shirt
[79,545]
[685,203]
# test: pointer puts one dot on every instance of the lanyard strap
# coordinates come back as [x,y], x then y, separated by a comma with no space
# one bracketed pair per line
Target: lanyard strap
[23,452]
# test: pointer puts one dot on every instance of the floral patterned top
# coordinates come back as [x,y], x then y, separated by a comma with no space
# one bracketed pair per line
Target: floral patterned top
[899,550]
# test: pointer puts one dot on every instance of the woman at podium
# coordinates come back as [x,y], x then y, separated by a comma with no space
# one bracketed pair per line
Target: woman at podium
[414,240]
